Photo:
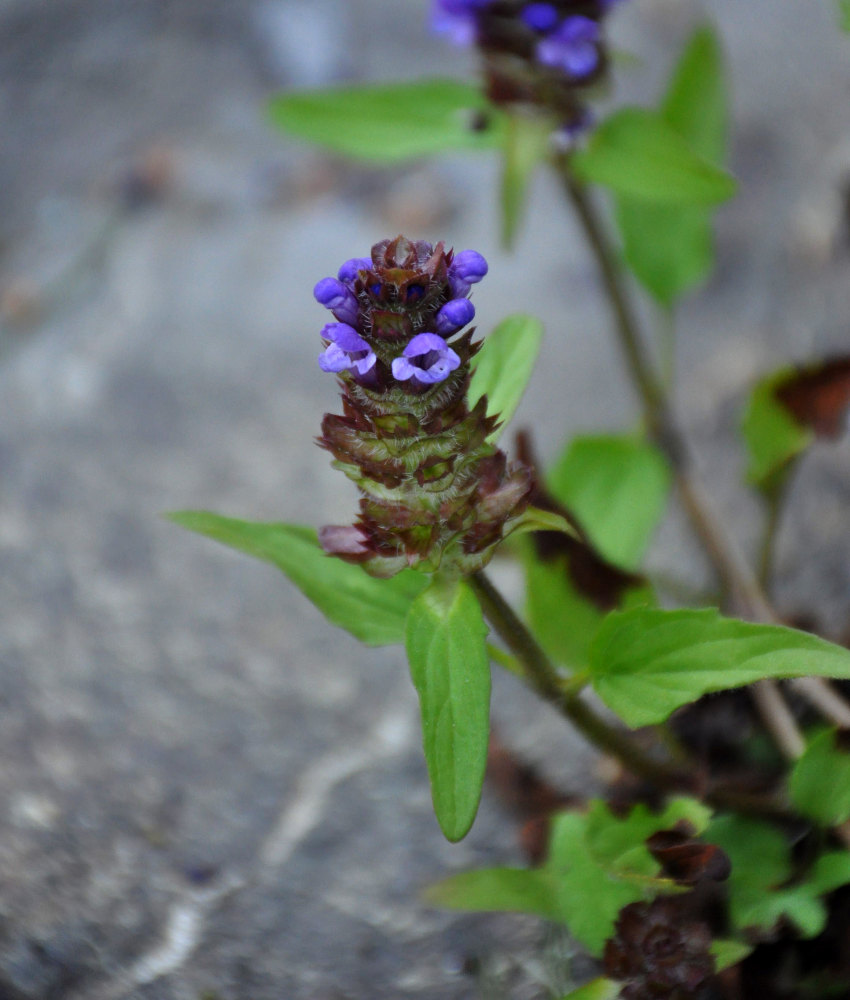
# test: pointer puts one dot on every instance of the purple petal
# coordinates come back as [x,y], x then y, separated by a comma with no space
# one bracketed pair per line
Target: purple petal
[424,342]
[403,369]
[540,16]
[453,315]
[348,271]
[334,359]
[469,266]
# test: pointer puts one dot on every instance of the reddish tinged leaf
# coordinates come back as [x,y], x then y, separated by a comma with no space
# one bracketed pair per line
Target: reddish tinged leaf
[686,860]
[818,396]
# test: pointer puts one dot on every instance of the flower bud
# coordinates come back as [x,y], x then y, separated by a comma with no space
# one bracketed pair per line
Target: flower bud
[338,297]
[453,315]
[572,47]
[349,270]
[466,269]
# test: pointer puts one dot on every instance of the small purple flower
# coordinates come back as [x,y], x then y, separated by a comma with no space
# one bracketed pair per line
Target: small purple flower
[456,19]
[572,46]
[339,298]
[453,315]
[467,268]
[347,350]
[427,358]
[348,271]
[540,16]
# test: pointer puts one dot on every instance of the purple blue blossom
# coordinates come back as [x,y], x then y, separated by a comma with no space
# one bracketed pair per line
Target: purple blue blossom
[456,19]
[427,358]
[348,271]
[347,350]
[467,268]
[572,46]
[339,298]
[540,16]
[453,315]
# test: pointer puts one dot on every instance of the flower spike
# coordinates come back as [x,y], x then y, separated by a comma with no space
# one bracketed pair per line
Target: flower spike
[434,492]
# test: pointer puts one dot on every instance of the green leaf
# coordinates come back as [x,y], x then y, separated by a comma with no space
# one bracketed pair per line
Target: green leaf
[596,989]
[597,865]
[389,122]
[728,953]
[844,14]
[772,435]
[526,146]
[820,781]
[637,153]
[617,487]
[696,101]
[498,890]
[373,611]
[759,895]
[670,249]
[445,640]
[619,844]
[645,663]
[503,366]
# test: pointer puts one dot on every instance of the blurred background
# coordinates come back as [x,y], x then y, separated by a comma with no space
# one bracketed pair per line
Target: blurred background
[210,794]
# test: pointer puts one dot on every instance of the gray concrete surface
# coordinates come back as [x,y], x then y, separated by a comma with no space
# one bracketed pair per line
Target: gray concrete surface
[208,792]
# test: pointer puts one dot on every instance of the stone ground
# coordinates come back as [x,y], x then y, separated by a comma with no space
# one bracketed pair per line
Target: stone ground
[209,793]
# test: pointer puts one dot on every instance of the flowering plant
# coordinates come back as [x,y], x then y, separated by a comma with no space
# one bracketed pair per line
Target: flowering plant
[713,853]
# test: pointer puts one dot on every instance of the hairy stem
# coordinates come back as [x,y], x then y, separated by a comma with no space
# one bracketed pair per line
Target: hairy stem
[542,675]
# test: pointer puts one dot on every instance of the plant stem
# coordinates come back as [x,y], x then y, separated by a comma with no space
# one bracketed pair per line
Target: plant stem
[542,675]
[545,679]
[735,574]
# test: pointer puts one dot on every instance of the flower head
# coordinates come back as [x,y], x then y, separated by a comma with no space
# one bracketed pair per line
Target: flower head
[572,47]
[434,489]
[347,350]
[427,358]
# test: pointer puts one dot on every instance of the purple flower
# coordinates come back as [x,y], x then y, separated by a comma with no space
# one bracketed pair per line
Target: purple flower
[453,315]
[348,271]
[456,19]
[347,350]
[540,16]
[467,268]
[571,47]
[427,358]
[339,298]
